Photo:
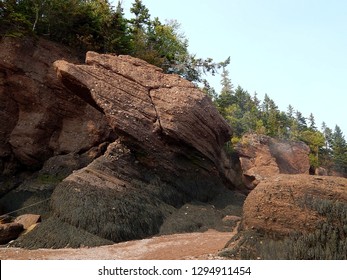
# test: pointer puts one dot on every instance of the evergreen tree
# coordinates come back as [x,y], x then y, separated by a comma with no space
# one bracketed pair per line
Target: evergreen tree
[226,97]
[270,116]
[209,91]
[142,17]
[14,18]
[339,151]
[326,151]
[312,122]
[290,112]
[315,140]
[256,101]
[328,136]
[301,120]
[117,34]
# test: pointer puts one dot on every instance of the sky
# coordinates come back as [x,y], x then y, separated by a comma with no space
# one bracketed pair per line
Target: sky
[293,50]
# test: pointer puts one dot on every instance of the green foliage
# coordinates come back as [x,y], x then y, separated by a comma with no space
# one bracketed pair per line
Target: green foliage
[247,114]
[339,151]
[315,140]
[13,19]
[96,25]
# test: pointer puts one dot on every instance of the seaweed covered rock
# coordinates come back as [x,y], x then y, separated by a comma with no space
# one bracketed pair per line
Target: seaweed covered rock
[294,217]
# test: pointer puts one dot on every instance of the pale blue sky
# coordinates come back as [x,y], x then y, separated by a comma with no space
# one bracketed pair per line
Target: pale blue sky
[293,50]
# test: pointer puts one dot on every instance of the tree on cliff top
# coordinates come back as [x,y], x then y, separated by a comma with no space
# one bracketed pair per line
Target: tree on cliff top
[95,25]
[339,146]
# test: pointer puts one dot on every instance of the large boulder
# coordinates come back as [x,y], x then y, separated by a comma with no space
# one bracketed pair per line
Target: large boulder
[168,124]
[165,149]
[294,217]
[262,157]
[38,118]
[286,204]
[170,148]
[147,106]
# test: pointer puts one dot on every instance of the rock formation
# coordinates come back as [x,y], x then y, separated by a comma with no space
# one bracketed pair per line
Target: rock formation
[284,204]
[111,148]
[262,157]
[294,217]
[114,149]
[45,132]
[39,119]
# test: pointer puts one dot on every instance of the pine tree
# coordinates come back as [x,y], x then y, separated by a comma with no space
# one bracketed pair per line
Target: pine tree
[302,124]
[290,112]
[226,97]
[312,122]
[256,101]
[117,34]
[339,151]
[142,17]
[326,151]
[328,136]
[315,140]
[270,117]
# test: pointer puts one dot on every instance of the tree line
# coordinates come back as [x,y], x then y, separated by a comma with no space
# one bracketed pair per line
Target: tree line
[97,25]
[248,114]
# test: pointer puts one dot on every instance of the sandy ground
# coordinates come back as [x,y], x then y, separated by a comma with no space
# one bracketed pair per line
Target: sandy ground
[204,245]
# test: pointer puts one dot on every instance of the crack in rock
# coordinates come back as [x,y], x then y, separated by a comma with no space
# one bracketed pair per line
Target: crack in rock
[157,124]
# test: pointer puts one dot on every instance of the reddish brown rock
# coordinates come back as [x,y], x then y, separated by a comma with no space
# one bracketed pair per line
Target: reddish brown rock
[262,157]
[286,204]
[156,142]
[156,114]
[146,104]
[320,171]
[38,118]
[170,148]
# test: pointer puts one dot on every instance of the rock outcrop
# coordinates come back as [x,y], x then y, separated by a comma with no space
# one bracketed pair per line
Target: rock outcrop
[149,108]
[287,204]
[293,217]
[262,157]
[39,122]
[120,144]
[38,117]
[169,150]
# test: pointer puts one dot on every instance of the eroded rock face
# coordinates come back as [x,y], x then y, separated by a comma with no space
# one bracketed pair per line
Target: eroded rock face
[262,157]
[38,118]
[161,117]
[135,144]
[147,105]
[169,150]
